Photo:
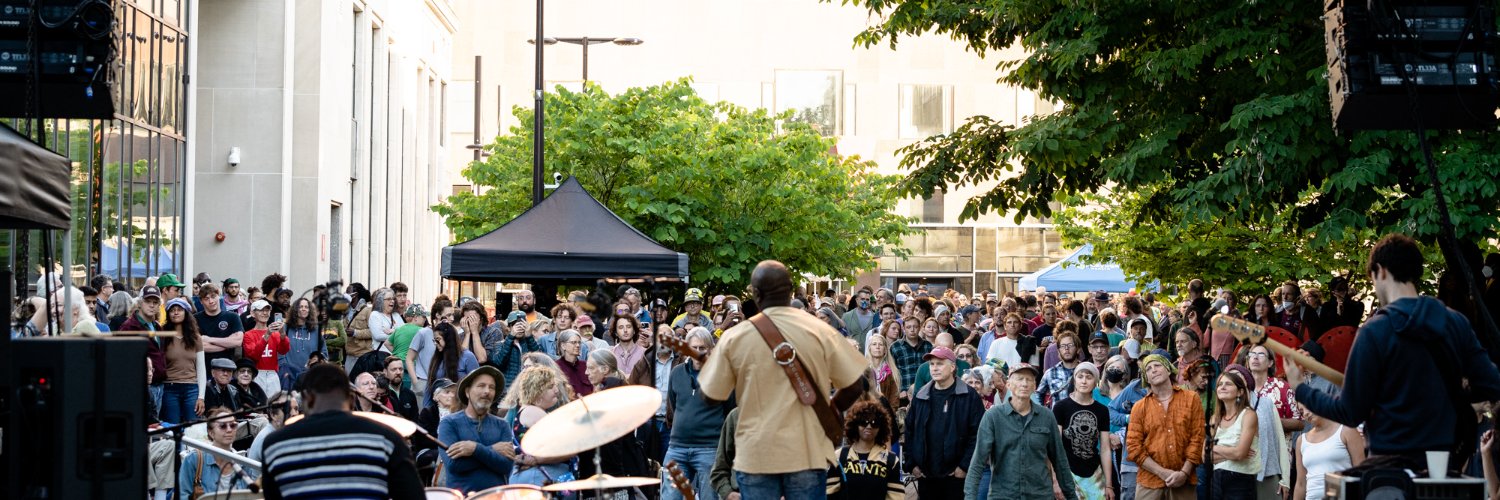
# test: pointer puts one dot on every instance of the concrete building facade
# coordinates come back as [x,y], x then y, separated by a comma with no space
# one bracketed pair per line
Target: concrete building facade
[317,147]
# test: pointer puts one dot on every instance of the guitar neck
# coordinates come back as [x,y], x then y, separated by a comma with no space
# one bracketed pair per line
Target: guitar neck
[1313,365]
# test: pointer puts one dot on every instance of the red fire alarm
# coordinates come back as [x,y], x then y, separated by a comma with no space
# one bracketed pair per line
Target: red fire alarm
[219,236]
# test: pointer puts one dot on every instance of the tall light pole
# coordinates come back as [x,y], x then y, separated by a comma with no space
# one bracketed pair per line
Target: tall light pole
[536,118]
[536,161]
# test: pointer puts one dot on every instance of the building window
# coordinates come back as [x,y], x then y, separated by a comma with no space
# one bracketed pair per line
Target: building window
[813,97]
[928,210]
[128,187]
[926,110]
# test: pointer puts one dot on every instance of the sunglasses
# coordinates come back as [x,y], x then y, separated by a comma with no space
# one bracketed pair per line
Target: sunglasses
[866,423]
[223,425]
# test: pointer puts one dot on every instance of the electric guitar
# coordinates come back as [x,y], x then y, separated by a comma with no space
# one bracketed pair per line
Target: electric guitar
[1255,334]
[680,481]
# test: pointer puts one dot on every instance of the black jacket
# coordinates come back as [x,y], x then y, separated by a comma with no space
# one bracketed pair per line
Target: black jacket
[406,403]
[215,395]
[956,452]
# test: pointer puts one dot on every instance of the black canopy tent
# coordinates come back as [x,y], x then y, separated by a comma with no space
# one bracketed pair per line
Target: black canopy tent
[34,192]
[34,186]
[567,238]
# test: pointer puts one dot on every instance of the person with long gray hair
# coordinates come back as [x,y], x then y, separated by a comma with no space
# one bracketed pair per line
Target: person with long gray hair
[371,326]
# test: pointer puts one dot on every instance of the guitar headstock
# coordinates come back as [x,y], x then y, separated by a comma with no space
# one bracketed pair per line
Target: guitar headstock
[680,346]
[1243,330]
[680,480]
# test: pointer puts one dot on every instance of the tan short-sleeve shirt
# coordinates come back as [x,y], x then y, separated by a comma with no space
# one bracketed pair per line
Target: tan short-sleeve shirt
[778,434]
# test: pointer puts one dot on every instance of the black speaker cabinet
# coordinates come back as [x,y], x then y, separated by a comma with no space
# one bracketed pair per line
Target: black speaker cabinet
[76,425]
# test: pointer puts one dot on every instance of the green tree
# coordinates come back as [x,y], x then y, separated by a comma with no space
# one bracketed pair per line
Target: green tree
[1212,117]
[713,180]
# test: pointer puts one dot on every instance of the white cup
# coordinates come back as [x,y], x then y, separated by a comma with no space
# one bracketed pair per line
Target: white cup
[1437,464]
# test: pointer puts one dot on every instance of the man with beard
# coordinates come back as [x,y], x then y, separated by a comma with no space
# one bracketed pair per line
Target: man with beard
[480,443]
[526,303]
[404,400]
[1058,381]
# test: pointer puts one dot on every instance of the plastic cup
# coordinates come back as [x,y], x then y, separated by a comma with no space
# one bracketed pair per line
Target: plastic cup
[1437,464]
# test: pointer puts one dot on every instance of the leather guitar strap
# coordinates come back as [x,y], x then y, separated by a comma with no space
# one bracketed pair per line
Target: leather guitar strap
[807,392]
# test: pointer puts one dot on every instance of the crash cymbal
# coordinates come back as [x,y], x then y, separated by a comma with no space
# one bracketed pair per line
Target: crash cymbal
[602,482]
[592,421]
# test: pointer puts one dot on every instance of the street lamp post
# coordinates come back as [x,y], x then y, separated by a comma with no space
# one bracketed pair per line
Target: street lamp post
[585,42]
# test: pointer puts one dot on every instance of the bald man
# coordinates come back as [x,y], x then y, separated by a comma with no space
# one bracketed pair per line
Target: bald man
[783,451]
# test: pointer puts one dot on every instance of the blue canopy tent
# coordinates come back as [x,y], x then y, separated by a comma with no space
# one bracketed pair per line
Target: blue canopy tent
[1071,275]
[111,260]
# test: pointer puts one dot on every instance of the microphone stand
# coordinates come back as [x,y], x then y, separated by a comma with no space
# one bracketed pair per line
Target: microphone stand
[178,429]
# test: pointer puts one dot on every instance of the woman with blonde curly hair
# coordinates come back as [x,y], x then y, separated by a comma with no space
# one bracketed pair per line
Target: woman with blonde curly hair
[537,390]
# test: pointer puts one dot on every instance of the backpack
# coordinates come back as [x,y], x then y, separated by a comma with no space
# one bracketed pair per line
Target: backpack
[373,361]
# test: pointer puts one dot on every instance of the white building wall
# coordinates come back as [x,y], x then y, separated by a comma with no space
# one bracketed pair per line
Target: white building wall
[328,102]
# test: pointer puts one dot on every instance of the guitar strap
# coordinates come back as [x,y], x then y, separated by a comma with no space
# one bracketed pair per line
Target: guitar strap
[785,354]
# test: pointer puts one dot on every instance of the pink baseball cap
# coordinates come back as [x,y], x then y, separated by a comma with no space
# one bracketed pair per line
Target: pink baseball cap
[941,352]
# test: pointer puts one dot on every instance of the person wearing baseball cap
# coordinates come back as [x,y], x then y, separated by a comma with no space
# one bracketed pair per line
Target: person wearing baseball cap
[1019,442]
[941,426]
[1165,440]
[1098,348]
[585,326]
[170,286]
[692,311]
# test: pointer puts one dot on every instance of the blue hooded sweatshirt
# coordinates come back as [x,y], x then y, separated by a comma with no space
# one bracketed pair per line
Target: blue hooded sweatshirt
[1392,384]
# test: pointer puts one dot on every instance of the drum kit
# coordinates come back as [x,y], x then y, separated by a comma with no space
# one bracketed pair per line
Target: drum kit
[587,423]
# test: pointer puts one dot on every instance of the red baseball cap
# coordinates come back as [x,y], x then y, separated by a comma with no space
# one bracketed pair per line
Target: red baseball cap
[941,352]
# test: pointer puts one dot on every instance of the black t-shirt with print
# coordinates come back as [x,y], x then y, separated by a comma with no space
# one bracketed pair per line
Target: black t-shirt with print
[1081,425]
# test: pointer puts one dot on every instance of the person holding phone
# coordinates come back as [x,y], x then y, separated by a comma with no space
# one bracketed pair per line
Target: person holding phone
[264,344]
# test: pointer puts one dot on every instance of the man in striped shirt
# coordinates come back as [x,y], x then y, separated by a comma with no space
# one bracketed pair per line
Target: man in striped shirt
[332,453]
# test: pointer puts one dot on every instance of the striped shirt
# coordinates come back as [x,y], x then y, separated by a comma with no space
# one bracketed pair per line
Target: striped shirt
[338,455]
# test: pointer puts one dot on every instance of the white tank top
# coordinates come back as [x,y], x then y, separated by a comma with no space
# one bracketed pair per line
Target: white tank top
[1329,455]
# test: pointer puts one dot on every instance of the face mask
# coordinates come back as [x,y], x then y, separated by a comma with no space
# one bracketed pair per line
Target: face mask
[1286,304]
[1487,272]
[864,304]
[1114,376]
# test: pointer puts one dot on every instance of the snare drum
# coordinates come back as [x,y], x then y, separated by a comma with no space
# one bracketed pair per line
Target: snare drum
[443,494]
[510,492]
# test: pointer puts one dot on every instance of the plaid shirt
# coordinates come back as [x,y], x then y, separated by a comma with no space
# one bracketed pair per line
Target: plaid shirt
[1057,382]
[909,358]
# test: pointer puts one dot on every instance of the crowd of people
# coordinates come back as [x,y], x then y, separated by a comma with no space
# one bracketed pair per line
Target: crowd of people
[1033,394]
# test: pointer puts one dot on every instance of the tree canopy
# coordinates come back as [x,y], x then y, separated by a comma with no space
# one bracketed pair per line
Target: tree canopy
[721,183]
[1199,121]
